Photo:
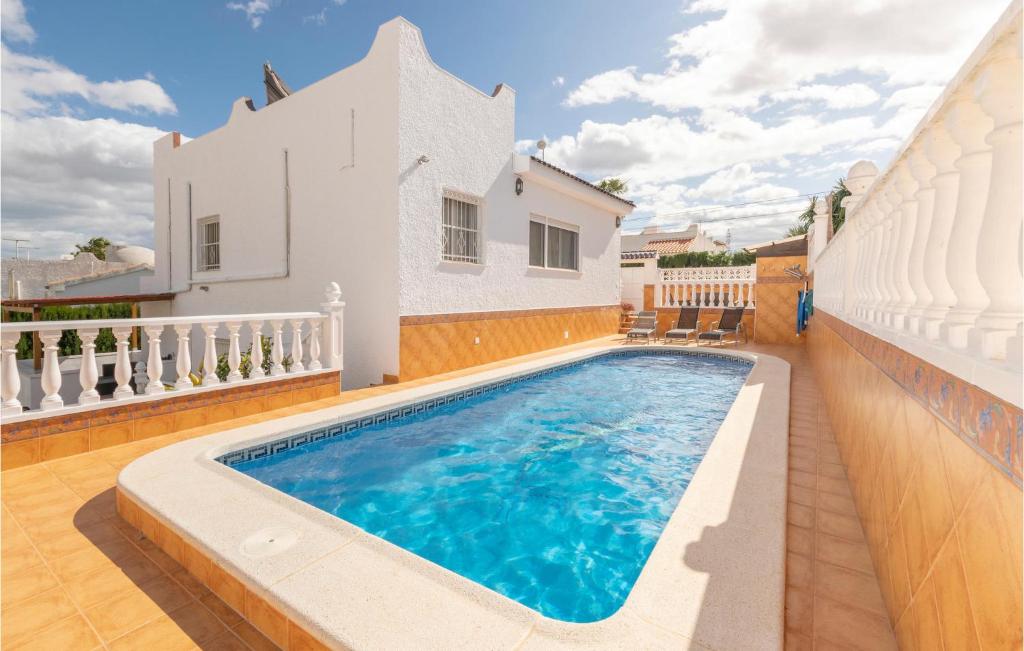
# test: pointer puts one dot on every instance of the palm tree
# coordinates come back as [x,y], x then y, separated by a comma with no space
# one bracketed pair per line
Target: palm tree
[96,246]
[804,219]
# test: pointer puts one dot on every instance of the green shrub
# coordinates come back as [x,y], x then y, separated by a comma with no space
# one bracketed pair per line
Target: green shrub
[69,343]
[706,259]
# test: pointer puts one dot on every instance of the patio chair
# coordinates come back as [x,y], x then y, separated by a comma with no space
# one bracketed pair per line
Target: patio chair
[687,324]
[730,325]
[646,325]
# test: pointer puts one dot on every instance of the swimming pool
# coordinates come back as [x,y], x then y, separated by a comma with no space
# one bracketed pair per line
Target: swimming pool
[551,489]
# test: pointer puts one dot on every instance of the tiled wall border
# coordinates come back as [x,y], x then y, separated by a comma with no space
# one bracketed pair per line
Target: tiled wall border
[991,426]
[45,439]
[272,623]
[350,427]
[454,317]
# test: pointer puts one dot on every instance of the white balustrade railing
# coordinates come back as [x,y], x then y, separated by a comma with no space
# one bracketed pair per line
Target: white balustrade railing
[320,356]
[930,255]
[706,287]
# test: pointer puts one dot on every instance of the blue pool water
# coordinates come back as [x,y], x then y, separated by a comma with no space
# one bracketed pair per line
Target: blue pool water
[551,491]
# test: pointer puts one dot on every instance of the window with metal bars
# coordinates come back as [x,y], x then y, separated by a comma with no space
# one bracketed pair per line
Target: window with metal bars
[460,228]
[209,244]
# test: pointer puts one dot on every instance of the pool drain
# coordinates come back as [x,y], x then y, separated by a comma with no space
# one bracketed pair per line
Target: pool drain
[270,541]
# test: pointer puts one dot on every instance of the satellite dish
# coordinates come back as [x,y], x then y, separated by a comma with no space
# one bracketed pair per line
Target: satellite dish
[542,144]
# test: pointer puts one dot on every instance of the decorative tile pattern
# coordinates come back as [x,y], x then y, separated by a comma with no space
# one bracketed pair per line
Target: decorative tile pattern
[349,427]
[934,471]
[991,425]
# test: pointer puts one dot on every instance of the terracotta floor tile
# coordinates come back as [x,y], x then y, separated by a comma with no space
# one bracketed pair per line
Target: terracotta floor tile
[184,628]
[24,583]
[801,495]
[850,627]
[840,526]
[837,551]
[837,504]
[131,610]
[256,640]
[799,611]
[833,470]
[799,515]
[800,541]
[848,587]
[224,612]
[68,634]
[799,571]
[25,618]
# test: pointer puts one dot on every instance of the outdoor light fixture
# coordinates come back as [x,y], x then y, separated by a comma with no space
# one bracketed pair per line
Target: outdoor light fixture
[519,186]
[618,221]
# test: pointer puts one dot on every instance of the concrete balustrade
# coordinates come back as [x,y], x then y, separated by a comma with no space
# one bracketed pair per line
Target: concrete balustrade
[328,322]
[706,287]
[930,255]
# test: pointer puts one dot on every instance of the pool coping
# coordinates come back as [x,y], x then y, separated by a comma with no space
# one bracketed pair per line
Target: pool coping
[715,579]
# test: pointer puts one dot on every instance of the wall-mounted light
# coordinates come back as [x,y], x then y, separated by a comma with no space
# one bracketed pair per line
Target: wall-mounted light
[423,159]
[618,221]
[519,186]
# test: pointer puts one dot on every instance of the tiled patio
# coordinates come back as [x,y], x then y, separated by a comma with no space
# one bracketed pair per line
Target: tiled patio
[74,576]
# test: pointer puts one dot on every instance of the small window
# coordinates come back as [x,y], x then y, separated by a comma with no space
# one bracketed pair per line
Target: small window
[554,246]
[460,227]
[209,244]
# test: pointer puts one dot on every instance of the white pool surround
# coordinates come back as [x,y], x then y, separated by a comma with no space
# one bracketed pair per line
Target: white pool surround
[715,579]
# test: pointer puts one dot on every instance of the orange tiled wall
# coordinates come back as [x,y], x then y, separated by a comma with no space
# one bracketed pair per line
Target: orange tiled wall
[934,465]
[446,342]
[45,439]
[776,295]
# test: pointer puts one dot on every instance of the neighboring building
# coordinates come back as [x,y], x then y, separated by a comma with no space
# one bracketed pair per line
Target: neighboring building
[127,270]
[397,180]
[692,239]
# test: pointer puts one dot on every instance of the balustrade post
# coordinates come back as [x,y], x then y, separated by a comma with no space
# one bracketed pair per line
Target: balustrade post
[890,234]
[154,364]
[123,363]
[256,350]
[210,355]
[183,365]
[297,364]
[314,344]
[943,153]
[907,187]
[998,91]
[10,378]
[334,324]
[88,376]
[277,350]
[923,172]
[234,353]
[51,378]
[968,125]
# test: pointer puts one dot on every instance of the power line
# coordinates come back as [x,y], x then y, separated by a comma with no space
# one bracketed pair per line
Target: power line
[734,205]
[794,211]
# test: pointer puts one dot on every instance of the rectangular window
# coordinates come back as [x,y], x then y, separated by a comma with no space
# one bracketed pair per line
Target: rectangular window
[460,228]
[209,244]
[554,246]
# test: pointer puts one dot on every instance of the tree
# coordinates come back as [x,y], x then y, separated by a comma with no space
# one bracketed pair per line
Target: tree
[613,185]
[804,219]
[96,246]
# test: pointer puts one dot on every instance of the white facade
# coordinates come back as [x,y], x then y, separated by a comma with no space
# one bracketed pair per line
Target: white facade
[701,240]
[344,180]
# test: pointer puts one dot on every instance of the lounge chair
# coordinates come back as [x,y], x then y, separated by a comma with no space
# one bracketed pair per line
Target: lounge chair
[730,325]
[687,324]
[646,325]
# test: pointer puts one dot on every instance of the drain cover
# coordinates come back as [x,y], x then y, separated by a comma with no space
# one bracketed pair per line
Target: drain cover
[269,541]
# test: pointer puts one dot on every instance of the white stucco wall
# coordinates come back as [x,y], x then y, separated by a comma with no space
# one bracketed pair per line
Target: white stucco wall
[342,214]
[469,138]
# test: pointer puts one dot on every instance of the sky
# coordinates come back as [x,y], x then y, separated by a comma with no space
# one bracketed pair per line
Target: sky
[697,104]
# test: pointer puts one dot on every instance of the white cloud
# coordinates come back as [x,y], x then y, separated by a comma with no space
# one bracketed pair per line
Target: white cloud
[31,84]
[558,81]
[836,97]
[317,18]
[15,27]
[253,10]
[66,178]
[759,47]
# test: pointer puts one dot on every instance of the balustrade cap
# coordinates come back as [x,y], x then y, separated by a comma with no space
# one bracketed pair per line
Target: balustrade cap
[39,326]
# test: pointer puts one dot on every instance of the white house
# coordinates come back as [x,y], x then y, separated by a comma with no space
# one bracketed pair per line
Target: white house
[640,253]
[399,181]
